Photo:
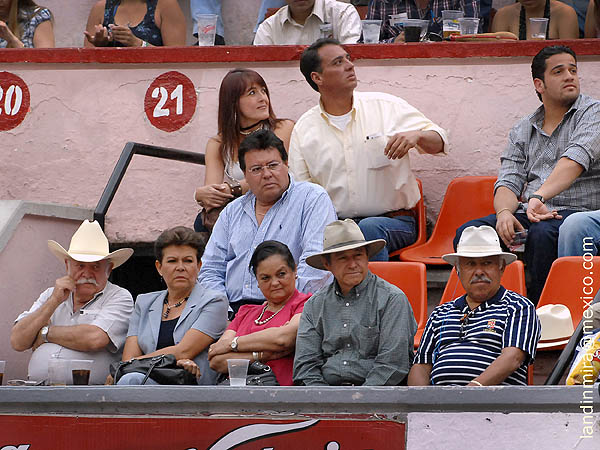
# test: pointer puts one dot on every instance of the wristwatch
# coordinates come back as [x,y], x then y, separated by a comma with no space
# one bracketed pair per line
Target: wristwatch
[234,344]
[539,197]
[44,333]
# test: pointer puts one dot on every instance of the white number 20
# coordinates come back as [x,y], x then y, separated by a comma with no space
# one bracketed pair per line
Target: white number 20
[11,109]
[159,110]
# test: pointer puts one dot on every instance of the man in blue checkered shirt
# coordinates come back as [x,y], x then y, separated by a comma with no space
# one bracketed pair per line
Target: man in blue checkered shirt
[551,166]
[487,336]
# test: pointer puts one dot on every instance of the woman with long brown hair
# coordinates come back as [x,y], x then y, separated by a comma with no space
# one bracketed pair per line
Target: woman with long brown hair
[562,19]
[244,107]
[24,24]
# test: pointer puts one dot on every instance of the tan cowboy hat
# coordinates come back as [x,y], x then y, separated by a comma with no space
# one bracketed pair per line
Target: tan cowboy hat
[89,244]
[343,235]
[477,242]
[556,323]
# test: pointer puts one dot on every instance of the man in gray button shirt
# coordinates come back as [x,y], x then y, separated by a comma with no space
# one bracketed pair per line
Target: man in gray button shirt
[551,164]
[360,329]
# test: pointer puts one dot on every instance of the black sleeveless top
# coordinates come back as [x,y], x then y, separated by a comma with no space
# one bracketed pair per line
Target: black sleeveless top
[145,30]
[165,333]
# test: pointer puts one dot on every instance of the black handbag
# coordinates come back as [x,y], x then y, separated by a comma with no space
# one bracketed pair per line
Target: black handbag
[259,374]
[162,368]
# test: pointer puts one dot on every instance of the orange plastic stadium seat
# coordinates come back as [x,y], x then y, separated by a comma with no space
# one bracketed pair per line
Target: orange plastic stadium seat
[466,198]
[570,279]
[421,223]
[411,277]
[513,279]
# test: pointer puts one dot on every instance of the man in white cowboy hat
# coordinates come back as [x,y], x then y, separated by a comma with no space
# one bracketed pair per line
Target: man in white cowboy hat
[360,329]
[83,316]
[487,336]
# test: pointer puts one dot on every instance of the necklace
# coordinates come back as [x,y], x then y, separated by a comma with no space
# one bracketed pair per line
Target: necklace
[262,322]
[176,305]
[248,130]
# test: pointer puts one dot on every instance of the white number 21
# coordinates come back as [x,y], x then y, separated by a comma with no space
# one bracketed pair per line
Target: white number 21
[177,94]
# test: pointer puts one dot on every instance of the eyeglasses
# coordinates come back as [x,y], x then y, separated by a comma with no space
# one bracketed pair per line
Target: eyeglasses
[258,170]
[463,323]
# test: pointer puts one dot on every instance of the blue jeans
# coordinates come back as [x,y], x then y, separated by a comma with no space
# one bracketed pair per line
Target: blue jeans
[264,5]
[135,379]
[579,234]
[398,232]
[207,7]
[540,247]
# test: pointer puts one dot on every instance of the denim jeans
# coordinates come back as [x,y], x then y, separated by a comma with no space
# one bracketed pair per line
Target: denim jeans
[135,379]
[398,232]
[540,248]
[579,234]
[207,7]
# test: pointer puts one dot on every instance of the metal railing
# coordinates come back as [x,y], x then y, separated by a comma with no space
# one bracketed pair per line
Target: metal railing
[134,148]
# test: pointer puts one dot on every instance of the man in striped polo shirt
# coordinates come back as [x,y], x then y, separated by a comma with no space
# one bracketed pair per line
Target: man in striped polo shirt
[487,336]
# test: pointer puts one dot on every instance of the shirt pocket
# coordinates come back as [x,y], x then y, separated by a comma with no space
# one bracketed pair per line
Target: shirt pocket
[374,148]
[368,341]
[85,317]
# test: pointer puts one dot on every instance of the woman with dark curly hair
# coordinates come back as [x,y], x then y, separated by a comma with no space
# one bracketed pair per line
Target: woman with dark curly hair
[244,107]
[267,332]
[25,24]
[562,19]
[182,320]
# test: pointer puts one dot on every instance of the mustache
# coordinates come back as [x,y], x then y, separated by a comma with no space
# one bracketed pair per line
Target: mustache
[479,278]
[87,281]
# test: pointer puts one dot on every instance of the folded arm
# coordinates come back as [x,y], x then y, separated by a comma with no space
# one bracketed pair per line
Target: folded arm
[26,331]
[510,359]
[396,343]
[193,343]
[309,358]
[420,375]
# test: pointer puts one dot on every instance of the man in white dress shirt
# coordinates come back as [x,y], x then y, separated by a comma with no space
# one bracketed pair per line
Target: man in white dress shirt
[299,23]
[355,145]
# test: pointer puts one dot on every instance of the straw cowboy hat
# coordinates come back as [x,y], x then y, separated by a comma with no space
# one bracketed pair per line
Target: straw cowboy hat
[477,242]
[557,325]
[89,244]
[343,235]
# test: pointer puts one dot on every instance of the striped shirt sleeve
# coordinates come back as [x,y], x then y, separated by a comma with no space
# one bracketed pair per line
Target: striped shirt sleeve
[522,326]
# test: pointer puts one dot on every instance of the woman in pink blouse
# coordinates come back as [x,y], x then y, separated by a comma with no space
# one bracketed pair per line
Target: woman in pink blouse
[267,332]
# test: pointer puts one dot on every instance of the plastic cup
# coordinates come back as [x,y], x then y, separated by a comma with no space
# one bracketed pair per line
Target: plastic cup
[207,29]
[396,20]
[370,31]
[58,371]
[468,25]
[238,370]
[415,29]
[2,367]
[518,243]
[537,28]
[450,23]
[80,371]
[326,30]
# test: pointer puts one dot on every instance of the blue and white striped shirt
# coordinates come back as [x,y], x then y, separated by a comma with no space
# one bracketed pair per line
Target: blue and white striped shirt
[461,343]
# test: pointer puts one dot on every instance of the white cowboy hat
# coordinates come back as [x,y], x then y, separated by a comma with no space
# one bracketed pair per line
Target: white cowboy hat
[477,242]
[343,235]
[556,323]
[89,244]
